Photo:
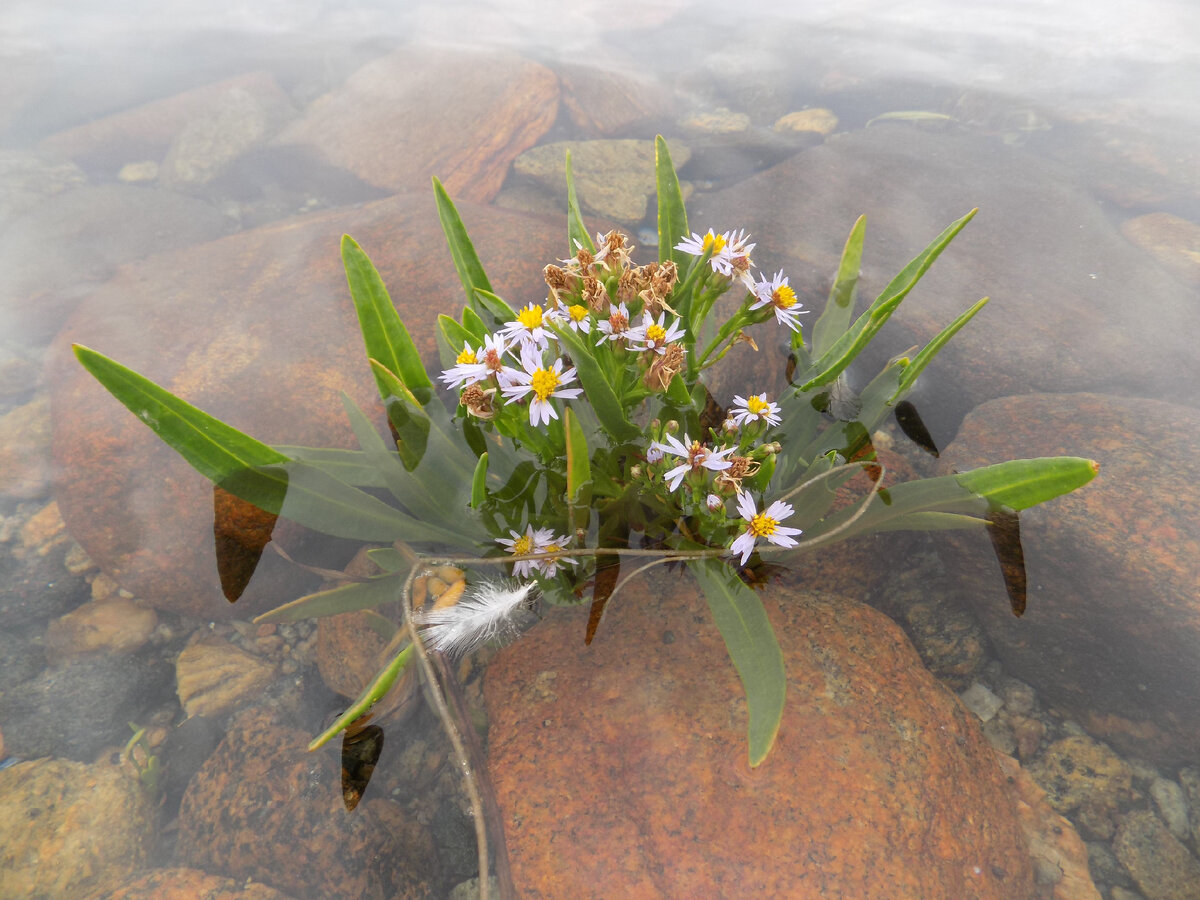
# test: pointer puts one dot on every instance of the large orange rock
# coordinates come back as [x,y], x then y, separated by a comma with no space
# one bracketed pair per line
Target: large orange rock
[1112,629]
[257,329]
[461,116]
[621,768]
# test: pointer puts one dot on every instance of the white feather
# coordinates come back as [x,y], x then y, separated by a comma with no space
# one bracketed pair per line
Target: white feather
[482,614]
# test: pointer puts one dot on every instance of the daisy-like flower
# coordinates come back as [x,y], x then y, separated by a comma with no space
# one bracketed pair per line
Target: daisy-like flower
[735,259]
[529,328]
[695,455]
[472,365]
[524,544]
[485,612]
[698,246]
[549,566]
[755,409]
[777,293]
[654,453]
[762,525]
[616,326]
[654,335]
[543,383]
[577,318]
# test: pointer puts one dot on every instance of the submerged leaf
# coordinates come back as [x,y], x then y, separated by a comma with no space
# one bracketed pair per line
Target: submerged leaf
[1004,529]
[240,532]
[914,429]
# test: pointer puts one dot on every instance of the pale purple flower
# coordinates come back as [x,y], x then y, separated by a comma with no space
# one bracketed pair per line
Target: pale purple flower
[762,525]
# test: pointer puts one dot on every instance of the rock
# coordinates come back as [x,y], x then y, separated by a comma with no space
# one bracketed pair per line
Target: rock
[716,121]
[138,172]
[20,660]
[1077,772]
[1128,534]
[822,121]
[224,325]
[263,808]
[186,884]
[621,771]
[1070,254]
[979,700]
[604,103]
[1060,858]
[93,699]
[1172,806]
[422,112]
[27,179]
[24,450]
[213,677]
[1161,866]
[147,131]
[1173,241]
[44,531]
[1189,777]
[35,589]
[67,829]
[348,652]
[53,255]
[1105,867]
[614,179]
[117,626]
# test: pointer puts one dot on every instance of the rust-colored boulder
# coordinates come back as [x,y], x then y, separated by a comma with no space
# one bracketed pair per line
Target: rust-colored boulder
[461,116]
[621,768]
[257,329]
[1112,629]
[187,884]
[264,808]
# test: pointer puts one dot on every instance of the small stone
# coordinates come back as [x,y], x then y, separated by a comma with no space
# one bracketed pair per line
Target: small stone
[116,626]
[1000,735]
[214,677]
[979,700]
[44,530]
[68,829]
[1172,806]
[469,889]
[717,121]
[1079,773]
[104,588]
[1018,697]
[138,172]
[1029,733]
[1189,778]
[25,450]
[77,562]
[822,121]
[1105,866]
[1161,866]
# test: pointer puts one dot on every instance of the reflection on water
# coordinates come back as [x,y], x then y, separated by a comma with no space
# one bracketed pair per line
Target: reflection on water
[173,183]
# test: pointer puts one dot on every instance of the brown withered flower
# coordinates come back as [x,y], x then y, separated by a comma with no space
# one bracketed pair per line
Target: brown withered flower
[594,295]
[560,282]
[731,479]
[479,401]
[665,367]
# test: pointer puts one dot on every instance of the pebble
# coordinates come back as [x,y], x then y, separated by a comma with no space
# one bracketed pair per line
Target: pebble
[77,562]
[821,121]
[1172,806]
[979,700]
[138,172]
[215,677]
[1161,866]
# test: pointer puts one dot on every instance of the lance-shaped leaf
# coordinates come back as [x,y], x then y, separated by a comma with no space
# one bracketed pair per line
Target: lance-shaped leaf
[222,454]
[577,233]
[596,387]
[383,332]
[495,306]
[579,472]
[1021,483]
[752,646]
[672,216]
[344,598]
[462,251]
[835,360]
[909,377]
[839,310]
[451,339]
[479,482]
[373,692]
[347,466]
[404,411]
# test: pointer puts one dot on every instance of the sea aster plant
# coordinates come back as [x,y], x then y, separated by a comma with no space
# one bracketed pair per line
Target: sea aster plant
[763,524]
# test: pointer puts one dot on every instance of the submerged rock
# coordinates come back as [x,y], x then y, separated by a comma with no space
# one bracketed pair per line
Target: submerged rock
[67,828]
[1173,241]
[263,808]
[257,329]
[1112,628]
[1162,866]
[422,112]
[1061,277]
[187,884]
[213,677]
[621,768]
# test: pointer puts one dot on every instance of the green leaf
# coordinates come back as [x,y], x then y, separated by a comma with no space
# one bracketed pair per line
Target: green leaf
[384,334]
[462,251]
[834,361]
[925,357]
[342,599]
[577,233]
[372,693]
[839,310]
[579,472]
[672,216]
[347,466]
[497,307]
[452,336]
[1021,483]
[404,411]
[473,324]
[596,388]
[390,559]
[218,451]
[752,646]
[479,482]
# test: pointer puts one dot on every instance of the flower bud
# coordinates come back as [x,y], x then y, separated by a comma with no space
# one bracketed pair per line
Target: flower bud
[714,503]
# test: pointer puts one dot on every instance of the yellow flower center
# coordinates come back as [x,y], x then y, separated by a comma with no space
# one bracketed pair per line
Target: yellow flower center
[466,357]
[543,382]
[578,313]
[552,548]
[716,241]
[756,406]
[522,546]
[762,525]
[530,316]
[784,297]
[656,334]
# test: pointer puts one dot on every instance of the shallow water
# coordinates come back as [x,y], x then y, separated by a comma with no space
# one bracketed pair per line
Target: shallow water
[191,231]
